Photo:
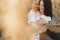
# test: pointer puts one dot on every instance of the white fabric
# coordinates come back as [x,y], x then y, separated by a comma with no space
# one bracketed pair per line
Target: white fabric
[31,17]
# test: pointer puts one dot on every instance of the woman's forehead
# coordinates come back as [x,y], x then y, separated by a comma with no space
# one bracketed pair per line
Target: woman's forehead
[41,2]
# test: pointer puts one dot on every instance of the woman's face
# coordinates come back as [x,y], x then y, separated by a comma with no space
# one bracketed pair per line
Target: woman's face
[41,6]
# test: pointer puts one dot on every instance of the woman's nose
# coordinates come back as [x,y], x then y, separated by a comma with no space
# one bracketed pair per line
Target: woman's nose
[41,7]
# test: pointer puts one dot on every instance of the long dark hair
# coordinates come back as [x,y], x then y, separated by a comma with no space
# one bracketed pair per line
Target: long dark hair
[47,7]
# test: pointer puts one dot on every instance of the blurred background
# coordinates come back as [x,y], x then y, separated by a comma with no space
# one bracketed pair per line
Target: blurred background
[56,10]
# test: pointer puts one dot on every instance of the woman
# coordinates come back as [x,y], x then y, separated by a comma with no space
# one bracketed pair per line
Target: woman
[46,10]
[40,23]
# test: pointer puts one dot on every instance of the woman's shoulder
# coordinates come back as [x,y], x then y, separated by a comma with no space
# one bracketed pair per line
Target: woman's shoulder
[31,12]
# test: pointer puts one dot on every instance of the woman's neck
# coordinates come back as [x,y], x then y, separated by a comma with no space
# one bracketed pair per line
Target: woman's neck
[42,13]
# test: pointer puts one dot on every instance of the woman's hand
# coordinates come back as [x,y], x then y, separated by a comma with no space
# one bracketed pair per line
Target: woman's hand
[42,22]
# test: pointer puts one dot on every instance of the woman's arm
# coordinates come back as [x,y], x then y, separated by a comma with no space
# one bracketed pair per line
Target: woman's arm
[42,22]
